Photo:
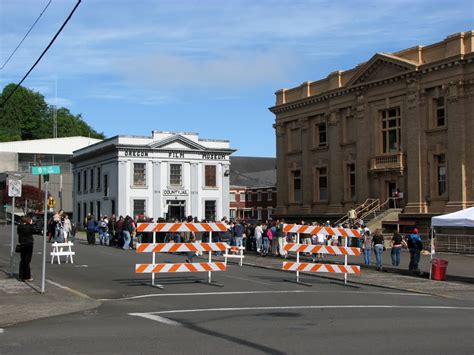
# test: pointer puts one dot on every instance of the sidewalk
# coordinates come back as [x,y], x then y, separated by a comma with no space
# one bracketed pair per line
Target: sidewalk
[22,302]
[391,278]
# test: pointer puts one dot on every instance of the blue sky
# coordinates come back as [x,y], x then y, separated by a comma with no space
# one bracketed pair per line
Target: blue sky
[212,67]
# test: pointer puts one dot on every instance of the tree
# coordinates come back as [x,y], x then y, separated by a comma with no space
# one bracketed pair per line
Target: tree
[26,115]
[29,193]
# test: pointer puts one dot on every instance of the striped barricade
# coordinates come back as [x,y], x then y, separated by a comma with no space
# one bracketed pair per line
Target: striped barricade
[62,249]
[155,268]
[321,249]
[331,268]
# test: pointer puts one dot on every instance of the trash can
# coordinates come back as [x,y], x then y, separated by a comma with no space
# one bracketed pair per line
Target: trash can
[438,269]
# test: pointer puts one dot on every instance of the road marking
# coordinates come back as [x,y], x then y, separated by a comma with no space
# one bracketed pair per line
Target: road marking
[256,293]
[81,265]
[77,293]
[357,306]
[2,331]
[56,284]
[244,279]
[155,318]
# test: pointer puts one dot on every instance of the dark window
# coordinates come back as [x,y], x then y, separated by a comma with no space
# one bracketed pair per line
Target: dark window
[322,135]
[138,208]
[323,184]
[85,180]
[91,205]
[296,185]
[352,181]
[441,174]
[391,130]
[113,206]
[210,210]
[78,182]
[440,112]
[78,215]
[98,178]
[85,211]
[176,174]
[99,212]
[106,185]
[92,179]
[210,176]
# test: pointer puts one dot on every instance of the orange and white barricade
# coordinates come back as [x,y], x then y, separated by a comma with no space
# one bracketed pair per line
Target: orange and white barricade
[234,252]
[154,247]
[321,249]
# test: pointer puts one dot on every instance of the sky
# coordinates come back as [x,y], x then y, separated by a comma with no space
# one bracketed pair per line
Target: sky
[210,67]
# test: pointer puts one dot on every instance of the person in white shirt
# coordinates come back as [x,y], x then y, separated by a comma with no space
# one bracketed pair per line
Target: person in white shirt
[258,236]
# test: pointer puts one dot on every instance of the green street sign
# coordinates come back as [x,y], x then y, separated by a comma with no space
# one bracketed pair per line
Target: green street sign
[43,170]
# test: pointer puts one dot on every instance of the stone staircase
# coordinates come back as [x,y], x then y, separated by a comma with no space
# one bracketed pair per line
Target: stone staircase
[375,222]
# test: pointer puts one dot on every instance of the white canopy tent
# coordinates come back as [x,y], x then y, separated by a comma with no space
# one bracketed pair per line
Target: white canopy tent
[463,218]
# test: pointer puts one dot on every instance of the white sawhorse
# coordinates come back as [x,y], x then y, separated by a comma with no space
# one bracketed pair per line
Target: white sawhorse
[58,251]
[239,254]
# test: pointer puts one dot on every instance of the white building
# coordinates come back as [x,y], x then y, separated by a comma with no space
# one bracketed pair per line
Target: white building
[169,175]
[20,156]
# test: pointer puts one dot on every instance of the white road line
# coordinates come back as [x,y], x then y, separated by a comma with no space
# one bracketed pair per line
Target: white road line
[310,307]
[56,284]
[257,293]
[81,265]
[155,318]
[2,331]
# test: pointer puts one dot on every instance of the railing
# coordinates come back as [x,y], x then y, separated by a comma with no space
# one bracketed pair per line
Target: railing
[387,162]
[368,204]
[452,243]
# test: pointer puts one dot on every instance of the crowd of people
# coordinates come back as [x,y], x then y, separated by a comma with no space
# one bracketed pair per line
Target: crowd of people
[264,238]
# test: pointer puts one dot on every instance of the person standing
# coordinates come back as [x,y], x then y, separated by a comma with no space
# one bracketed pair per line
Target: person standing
[281,239]
[25,239]
[377,240]
[415,246]
[258,237]
[91,227]
[127,230]
[396,248]
[67,228]
[352,215]
[367,246]
[238,233]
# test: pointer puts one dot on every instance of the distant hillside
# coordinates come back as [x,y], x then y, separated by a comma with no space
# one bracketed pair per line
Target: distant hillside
[26,116]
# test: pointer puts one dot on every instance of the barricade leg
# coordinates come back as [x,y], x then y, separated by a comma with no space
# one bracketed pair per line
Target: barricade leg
[298,261]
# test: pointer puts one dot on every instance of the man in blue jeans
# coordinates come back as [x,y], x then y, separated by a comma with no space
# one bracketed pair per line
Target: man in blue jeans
[415,246]
[238,233]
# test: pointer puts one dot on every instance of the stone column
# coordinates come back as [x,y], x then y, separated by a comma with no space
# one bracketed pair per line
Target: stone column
[307,171]
[282,170]
[335,167]
[194,191]
[415,158]
[225,187]
[123,188]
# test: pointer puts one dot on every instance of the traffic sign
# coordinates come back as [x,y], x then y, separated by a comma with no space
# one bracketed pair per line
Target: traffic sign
[47,169]
[51,202]
[14,188]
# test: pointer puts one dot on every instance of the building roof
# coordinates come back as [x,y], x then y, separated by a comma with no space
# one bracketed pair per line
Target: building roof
[252,171]
[58,146]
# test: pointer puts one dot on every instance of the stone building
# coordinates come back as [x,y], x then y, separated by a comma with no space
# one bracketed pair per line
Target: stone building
[401,121]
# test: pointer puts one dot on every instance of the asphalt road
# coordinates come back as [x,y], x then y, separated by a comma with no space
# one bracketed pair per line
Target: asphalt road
[256,311]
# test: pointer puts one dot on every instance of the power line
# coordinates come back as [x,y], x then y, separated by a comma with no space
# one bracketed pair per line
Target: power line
[42,54]
[26,35]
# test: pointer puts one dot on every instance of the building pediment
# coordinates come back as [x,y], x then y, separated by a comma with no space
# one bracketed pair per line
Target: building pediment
[381,66]
[177,142]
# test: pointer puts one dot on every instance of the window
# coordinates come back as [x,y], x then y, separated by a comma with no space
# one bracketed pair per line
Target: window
[321,184]
[352,181]
[210,176]
[391,130]
[232,197]
[78,217]
[232,213]
[139,174]
[85,210]
[91,205]
[92,179]
[138,208]
[85,180]
[106,185]
[112,206]
[439,111]
[296,184]
[269,196]
[242,197]
[176,174]
[321,135]
[270,212]
[249,196]
[98,177]
[210,210]
[259,214]
[259,196]
[441,174]
[78,182]
[99,212]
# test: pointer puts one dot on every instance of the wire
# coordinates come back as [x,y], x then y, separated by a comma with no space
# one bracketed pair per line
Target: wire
[41,56]
[26,35]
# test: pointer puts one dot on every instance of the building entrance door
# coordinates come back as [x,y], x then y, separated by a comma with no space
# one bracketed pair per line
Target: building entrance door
[391,189]
[176,209]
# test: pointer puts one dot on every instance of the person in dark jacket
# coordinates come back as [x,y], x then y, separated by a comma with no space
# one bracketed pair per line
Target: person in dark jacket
[25,239]
[415,246]
[91,229]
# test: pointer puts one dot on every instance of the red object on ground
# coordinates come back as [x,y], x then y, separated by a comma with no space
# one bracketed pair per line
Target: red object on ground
[438,269]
